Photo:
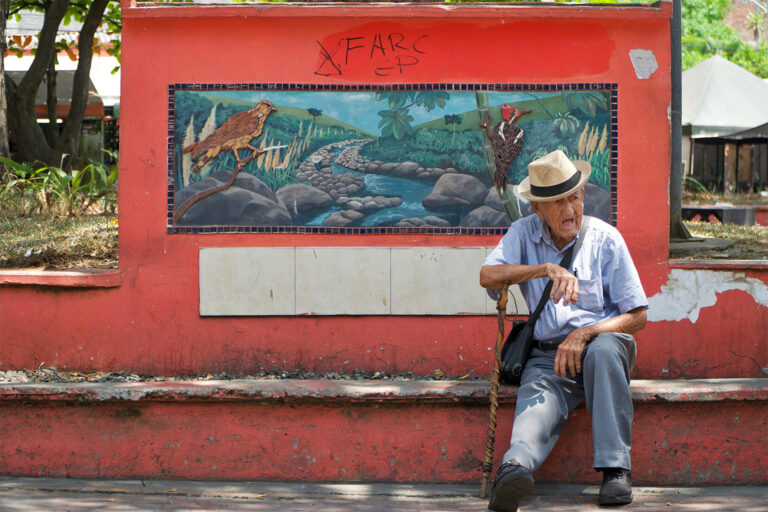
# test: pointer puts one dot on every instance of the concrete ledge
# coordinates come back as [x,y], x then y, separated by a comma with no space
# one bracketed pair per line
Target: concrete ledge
[658,10]
[91,278]
[324,390]
[699,432]
[719,264]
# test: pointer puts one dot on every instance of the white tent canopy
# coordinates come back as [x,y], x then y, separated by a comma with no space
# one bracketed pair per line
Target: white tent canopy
[721,98]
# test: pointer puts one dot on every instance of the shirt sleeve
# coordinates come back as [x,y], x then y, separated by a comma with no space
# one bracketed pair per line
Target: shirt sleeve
[620,278]
[509,249]
[507,252]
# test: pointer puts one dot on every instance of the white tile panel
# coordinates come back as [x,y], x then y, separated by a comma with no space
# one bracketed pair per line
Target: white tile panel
[258,281]
[437,280]
[247,281]
[343,280]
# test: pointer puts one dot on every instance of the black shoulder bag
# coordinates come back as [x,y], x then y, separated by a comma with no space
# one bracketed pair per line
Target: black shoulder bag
[518,344]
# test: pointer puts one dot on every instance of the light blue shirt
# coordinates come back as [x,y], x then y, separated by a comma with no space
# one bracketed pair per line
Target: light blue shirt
[608,281]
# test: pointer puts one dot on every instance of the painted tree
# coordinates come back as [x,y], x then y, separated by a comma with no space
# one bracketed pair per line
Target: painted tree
[396,121]
[32,142]
[454,120]
[315,113]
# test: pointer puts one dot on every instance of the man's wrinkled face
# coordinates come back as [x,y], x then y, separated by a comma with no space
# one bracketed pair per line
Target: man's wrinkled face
[563,216]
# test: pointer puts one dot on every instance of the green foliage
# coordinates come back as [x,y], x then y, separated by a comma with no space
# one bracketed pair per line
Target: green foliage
[274,178]
[705,34]
[111,24]
[756,23]
[452,119]
[431,147]
[694,185]
[51,240]
[566,122]
[431,99]
[50,189]
[396,123]
[588,102]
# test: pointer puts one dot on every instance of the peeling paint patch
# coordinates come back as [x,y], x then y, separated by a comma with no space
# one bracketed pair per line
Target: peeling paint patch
[687,292]
[644,62]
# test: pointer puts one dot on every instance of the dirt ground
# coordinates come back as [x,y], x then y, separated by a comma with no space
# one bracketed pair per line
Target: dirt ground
[735,250]
[56,260]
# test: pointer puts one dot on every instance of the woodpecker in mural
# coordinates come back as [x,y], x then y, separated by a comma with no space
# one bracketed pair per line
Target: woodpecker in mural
[506,139]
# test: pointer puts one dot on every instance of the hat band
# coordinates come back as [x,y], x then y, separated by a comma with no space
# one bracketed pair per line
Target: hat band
[554,190]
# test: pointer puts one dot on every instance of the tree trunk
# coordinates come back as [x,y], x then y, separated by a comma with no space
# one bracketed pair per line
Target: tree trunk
[52,103]
[27,134]
[70,135]
[4,150]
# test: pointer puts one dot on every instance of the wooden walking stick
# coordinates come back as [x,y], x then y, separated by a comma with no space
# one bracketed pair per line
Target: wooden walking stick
[501,307]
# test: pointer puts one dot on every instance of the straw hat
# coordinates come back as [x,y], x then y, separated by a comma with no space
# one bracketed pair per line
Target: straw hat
[554,176]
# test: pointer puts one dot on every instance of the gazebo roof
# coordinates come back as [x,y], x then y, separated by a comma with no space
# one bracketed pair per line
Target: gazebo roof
[721,98]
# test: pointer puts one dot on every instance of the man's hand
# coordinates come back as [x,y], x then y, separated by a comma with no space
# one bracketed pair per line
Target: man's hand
[564,284]
[569,352]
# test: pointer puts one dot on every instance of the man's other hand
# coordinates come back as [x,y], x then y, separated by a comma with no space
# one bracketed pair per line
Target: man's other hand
[568,357]
[564,284]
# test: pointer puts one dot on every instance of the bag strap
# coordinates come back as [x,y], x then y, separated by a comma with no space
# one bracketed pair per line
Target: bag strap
[569,256]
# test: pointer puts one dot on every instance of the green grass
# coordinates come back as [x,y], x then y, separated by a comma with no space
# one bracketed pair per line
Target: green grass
[748,242]
[730,232]
[58,242]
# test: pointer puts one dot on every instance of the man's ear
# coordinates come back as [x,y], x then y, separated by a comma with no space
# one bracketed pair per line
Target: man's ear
[536,208]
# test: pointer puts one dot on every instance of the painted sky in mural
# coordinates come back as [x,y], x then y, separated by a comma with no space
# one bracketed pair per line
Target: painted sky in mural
[360,159]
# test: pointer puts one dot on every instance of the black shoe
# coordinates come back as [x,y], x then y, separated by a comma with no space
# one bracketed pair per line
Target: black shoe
[617,487]
[512,483]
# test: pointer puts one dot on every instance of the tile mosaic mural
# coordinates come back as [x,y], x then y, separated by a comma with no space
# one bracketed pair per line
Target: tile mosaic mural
[272,158]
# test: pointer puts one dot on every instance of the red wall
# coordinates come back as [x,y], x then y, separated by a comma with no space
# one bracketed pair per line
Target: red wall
[150,324]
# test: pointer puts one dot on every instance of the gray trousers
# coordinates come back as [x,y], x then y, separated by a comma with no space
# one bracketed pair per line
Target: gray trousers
[545,399]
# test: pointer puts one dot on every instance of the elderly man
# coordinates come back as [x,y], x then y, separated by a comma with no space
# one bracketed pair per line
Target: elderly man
[583,345]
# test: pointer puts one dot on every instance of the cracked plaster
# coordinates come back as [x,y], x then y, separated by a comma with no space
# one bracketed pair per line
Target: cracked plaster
[687,292]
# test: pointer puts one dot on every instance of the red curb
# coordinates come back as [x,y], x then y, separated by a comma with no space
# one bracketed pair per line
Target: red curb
[266,390]
[94,278]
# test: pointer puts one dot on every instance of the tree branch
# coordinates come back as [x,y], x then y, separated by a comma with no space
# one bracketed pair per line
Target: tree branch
[45,50]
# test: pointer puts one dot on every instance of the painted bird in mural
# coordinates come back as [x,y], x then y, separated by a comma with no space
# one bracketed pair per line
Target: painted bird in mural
[235,134]
[506,139]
